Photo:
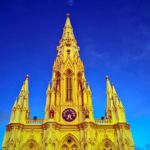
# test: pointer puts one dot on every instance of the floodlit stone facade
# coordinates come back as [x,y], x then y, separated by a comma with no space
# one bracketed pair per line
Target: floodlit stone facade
[69,123]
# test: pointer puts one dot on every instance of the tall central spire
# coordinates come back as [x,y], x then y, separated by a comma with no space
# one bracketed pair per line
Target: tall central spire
[68,30]
[68,47]
[68,37]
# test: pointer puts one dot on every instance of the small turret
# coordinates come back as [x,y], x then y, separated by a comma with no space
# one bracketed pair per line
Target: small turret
[47,106]
[112,98]
[121,113]
[89,102]
[25,108]
[13,112]
[89,89]
[89,97]
[20,110]
[114,107]
[48,89]
[115,96]
[108,98]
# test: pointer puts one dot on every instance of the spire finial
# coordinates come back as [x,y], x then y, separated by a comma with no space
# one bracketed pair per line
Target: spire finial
[68,14]
[49,87]
[107,77]
[27,76]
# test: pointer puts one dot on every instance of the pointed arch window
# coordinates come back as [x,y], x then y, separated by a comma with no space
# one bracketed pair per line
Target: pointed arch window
[69,85]
[57,81]
[70,144]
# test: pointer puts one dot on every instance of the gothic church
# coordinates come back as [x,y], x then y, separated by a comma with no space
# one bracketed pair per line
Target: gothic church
[68,123]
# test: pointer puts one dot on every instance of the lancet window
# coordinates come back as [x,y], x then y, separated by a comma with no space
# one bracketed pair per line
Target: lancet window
[69,85]
[57,81]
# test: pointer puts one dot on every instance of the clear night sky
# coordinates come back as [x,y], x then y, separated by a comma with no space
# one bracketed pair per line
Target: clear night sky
[114,39]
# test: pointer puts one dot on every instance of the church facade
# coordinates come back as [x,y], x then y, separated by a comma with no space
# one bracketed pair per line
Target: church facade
[68,123]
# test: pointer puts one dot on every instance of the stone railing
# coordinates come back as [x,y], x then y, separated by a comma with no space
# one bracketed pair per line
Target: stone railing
[103,121]
[34,121]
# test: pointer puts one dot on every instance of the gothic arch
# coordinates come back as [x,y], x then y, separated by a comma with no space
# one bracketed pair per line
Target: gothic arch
[69,142]
[68,72]
[30,145]
[69,85]
[68,64]
[57,74]
[11,143]
[79,75]
[57,80]
[107,144]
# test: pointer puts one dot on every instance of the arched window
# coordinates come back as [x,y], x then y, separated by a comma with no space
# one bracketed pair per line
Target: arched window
[69,85]
[107,146]
[70,144]
[65,147]
[30,145]
[57,81]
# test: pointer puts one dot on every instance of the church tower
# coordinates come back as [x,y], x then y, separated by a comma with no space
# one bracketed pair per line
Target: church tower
[68,123]
[69,93]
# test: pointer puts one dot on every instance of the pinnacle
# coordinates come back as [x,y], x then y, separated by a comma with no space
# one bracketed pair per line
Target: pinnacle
[107,77]
[114,90]
[68,14]
[27,76]
[49,87]
[108,83]
[68,23]
[15,103]
[68,38]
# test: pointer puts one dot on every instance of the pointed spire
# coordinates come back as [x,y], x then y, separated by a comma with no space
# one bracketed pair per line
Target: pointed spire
[24,94]
[108,87]
[26,84]
[115,96]
[48,88]
[20,100]
[88,88]
[121,104]
[12,117]
[121,112]
[68,23]
[114,91]
[68,30]
[108,97]
[15,104]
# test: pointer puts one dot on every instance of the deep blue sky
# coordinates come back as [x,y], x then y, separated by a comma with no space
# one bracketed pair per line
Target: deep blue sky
[114,39]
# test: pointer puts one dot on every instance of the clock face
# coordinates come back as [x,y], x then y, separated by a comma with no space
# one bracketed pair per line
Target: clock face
[69,114]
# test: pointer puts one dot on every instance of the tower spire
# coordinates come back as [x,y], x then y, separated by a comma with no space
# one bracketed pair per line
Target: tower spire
[68,30]
[115,96]
[68,23]
[68,47]
[48,88]
[108,90]
[21,104]
[108,97]
[26,92]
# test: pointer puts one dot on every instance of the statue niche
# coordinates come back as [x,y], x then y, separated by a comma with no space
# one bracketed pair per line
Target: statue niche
[51,114]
